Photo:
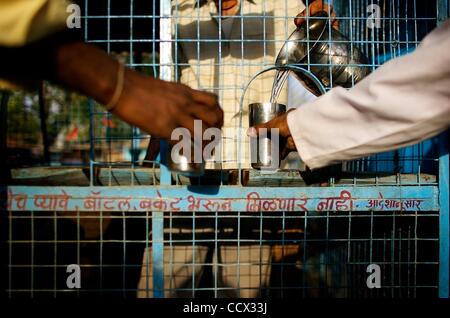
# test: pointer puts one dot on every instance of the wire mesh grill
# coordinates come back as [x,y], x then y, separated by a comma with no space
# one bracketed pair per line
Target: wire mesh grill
[281,255]
[221,254]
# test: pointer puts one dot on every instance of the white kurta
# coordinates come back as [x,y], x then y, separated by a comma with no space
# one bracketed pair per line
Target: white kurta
[223,58]
[404,102]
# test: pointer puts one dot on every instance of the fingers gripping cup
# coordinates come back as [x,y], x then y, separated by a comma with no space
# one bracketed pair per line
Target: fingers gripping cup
[265,154]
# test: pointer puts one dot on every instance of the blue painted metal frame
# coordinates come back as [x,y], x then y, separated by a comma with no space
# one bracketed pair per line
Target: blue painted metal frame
[226,198]
[436,196]
[158,229]
[444,217]
[165,175]
[443,13]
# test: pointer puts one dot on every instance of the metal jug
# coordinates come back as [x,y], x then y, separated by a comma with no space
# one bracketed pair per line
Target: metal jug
[332,59]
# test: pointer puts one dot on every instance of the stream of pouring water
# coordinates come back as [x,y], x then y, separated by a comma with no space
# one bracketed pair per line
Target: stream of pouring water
[278,82]
[280,78]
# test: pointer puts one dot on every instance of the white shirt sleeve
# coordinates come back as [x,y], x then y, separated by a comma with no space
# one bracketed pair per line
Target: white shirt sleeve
[403,102]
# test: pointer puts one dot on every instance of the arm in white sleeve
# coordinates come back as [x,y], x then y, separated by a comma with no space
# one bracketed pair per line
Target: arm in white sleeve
[403,102]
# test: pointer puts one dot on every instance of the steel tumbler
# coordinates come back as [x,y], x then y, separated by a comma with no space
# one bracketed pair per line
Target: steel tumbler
[263,151]
[185,164]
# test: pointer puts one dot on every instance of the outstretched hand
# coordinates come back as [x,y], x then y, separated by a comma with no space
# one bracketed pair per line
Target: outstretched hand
[158,107]
[155,106]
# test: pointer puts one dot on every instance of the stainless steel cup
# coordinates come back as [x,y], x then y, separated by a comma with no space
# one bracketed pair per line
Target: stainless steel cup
[184,165]
[262,156]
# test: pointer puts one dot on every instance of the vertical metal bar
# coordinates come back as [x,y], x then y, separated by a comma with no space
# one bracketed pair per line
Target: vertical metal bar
[32,256]
[165,70]
[399,263]
[384,264]
[238,271]
[443,10]
[158,254]
[4,171]
[78,244]
[90,106]
[371,261]
[328,263]
[107,143]
[216,254]
[55,253]
[408,281]
[242,42]
[392,247]
[100,252]
[305,267]
[124,254]
[221,94]
[416,221]
[166,73]
[307,35]
[364,264]
[283,246]
[171,254]
[43,119]
[444,217]
[147,254]
[415,25]
[357,265]
[261,219]
[193,254]
[136,131]
[134,159]
[108,27]
[351,36]
[10,251]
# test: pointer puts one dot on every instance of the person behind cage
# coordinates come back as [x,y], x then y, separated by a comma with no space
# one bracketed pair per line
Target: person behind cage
[219,47]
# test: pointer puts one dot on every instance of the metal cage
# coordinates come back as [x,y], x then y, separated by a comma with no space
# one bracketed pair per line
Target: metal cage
[136,229]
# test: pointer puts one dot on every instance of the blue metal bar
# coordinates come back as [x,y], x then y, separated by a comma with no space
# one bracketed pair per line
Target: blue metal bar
[443,11]
[225,198]
[90,105]
[158,254]
[165,175]
[444,217]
